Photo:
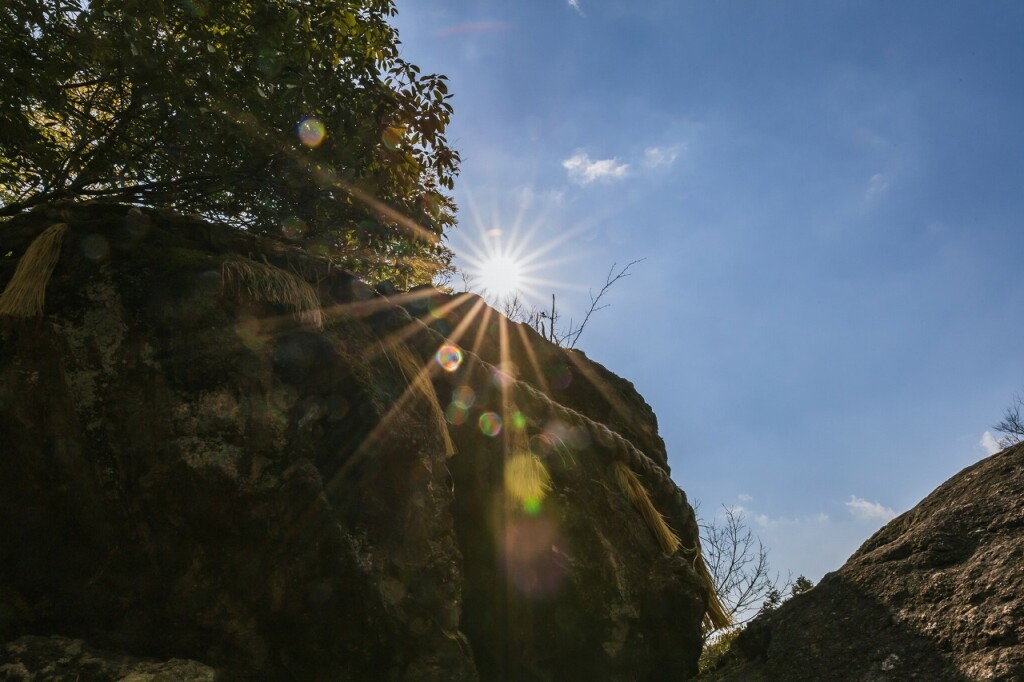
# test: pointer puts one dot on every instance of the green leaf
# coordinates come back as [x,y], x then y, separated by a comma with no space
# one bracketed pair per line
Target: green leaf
[197,106]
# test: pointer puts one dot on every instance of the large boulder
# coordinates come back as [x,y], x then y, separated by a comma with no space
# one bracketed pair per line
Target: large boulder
[219,450]
[935,595]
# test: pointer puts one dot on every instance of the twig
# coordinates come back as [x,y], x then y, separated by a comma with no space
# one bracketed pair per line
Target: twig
[573,336]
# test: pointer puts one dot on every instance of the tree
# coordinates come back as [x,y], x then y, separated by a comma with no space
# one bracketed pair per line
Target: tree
[277,116]
[739,566]
[743,579]
[772,601]
[800,585]
[1012,425]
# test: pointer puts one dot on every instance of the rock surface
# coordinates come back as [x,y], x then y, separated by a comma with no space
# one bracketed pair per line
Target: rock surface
[31,659]
[935,595]
[195,476]
[566,376]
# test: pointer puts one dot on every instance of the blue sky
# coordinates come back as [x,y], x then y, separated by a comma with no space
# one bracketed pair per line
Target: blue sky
[829,197]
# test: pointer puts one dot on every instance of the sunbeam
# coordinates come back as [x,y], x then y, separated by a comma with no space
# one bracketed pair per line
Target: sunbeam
[503,255]
[500,276]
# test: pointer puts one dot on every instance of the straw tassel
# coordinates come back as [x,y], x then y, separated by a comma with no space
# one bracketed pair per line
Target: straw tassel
[638,497]
[264,282]
[25,294]
[716,615]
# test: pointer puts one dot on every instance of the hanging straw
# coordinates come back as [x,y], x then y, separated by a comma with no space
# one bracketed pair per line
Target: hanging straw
[26,292]
[716,615]
[264,282]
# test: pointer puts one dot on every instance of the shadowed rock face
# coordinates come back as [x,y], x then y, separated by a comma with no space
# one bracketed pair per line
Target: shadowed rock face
[566,376]
[937,594]
[58,658]
[193,480]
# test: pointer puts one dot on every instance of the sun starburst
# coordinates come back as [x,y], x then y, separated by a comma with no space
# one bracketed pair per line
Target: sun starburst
[504,259]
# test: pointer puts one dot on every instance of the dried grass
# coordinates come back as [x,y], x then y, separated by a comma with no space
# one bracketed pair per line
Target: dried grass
[716,615]
[25,294]
[637,494]
[264,282]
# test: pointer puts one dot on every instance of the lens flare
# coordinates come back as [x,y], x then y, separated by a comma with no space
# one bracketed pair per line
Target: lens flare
[434,306]
[250,332]
[509,261]
[490,424]
[95,247]
[501,276]
[456,414]
[561,377]
[527,481]
[449,356]
[392,136]
[294,227]
[196,8]
[311,131]
[503,376]
[530,549]
[464,395]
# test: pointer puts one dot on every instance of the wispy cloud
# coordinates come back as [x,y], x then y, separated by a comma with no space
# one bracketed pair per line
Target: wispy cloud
[529,197]
[765,521]
[575,4]
[989,442]
[878,185]
[475,27]
[660,156]
[863,510]
[583,170]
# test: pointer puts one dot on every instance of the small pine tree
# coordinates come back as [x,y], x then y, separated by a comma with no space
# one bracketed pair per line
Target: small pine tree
[772,601]
[800,585]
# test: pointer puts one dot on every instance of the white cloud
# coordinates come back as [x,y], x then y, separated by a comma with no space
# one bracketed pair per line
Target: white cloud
[583,170]
[878,185]
[863,510]
[575,4]
[529,197]
[989,442]
[660,156]
[765,521]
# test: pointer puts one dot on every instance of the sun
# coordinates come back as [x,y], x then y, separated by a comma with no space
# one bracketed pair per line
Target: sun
[501,276]
[511,254]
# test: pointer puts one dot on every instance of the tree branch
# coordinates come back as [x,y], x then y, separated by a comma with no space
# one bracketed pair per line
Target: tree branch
[574,335]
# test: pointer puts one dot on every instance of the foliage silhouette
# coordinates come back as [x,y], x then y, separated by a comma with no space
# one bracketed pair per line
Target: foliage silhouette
[277,116]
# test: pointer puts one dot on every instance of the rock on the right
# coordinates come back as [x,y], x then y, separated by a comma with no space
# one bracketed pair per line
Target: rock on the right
[936,595]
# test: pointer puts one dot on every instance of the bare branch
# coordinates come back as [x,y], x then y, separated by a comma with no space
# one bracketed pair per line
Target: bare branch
[739,565]
[547,323]
[512,307]
[1012,425]
[573,335]
[467,280]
